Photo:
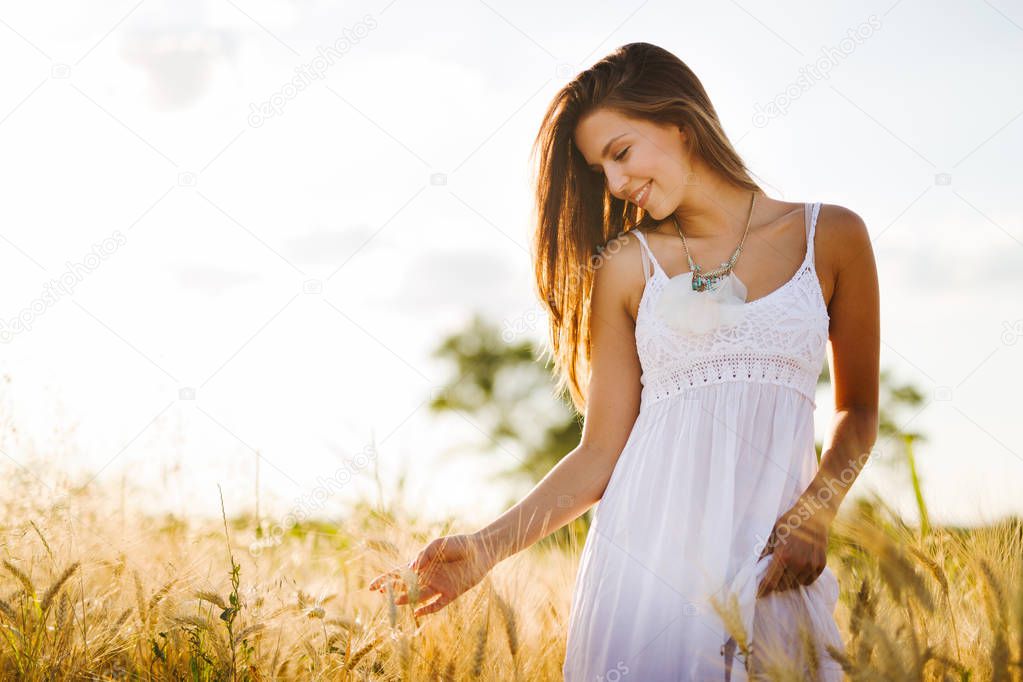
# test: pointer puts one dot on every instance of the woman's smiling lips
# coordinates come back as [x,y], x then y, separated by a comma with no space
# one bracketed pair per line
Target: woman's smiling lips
[639,197]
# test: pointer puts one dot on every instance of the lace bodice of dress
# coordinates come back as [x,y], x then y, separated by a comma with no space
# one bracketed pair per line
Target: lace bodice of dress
[781,339]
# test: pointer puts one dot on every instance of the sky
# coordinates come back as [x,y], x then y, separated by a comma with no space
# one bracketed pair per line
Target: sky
[232,233]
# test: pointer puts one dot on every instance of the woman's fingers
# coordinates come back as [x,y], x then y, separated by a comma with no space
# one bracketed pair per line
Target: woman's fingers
[808,576]
[384,578]
[395,577]
[438,590]
[439,550]
[768,545]
[433,606]
[440,572]
[788,580]
[778,578]
[425,593]
[428,586]
[770,579]
[378,582]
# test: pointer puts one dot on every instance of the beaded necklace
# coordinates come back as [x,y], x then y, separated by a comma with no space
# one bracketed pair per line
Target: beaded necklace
[708,281]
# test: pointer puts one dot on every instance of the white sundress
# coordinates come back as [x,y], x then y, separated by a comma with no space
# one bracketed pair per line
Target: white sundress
[723,446]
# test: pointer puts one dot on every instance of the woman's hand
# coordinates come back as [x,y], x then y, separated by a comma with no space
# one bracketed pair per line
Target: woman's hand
[798,542]
[445,568]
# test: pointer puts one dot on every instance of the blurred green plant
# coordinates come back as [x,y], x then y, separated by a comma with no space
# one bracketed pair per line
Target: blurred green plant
[897,399]
[503,389]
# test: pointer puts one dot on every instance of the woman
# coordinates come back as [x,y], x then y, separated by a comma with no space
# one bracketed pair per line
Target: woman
[706,555]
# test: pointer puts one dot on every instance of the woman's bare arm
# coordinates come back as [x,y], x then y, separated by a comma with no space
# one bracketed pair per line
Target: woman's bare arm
[799,538]
[579,479]
[855,339]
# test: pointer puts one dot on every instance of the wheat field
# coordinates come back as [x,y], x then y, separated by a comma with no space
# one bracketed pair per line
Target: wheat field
[88,593]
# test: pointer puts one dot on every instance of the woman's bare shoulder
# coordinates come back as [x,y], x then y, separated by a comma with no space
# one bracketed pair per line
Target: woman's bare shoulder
[838,229]
[619,271]
[840,237]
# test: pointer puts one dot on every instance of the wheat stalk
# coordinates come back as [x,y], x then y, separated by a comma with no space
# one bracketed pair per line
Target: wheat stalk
[53,589]
[995,605]
[357,656]
[479,651]
[6,609]
[27,587]
[212,597]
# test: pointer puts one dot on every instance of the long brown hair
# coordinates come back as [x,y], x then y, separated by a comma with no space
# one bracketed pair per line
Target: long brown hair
[576,215]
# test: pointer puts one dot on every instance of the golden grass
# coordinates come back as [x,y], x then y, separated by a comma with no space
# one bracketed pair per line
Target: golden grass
[180,599]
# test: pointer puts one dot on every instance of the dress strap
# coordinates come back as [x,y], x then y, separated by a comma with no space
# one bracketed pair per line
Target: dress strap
[810,213]
[649,262]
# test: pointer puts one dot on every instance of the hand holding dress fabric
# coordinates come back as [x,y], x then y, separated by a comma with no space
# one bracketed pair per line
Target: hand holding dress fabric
[798,544]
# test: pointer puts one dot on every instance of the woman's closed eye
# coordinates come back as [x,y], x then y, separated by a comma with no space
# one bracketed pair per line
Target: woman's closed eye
[618,157]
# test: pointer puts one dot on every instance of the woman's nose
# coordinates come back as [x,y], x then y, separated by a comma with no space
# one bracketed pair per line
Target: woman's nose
[618,186]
